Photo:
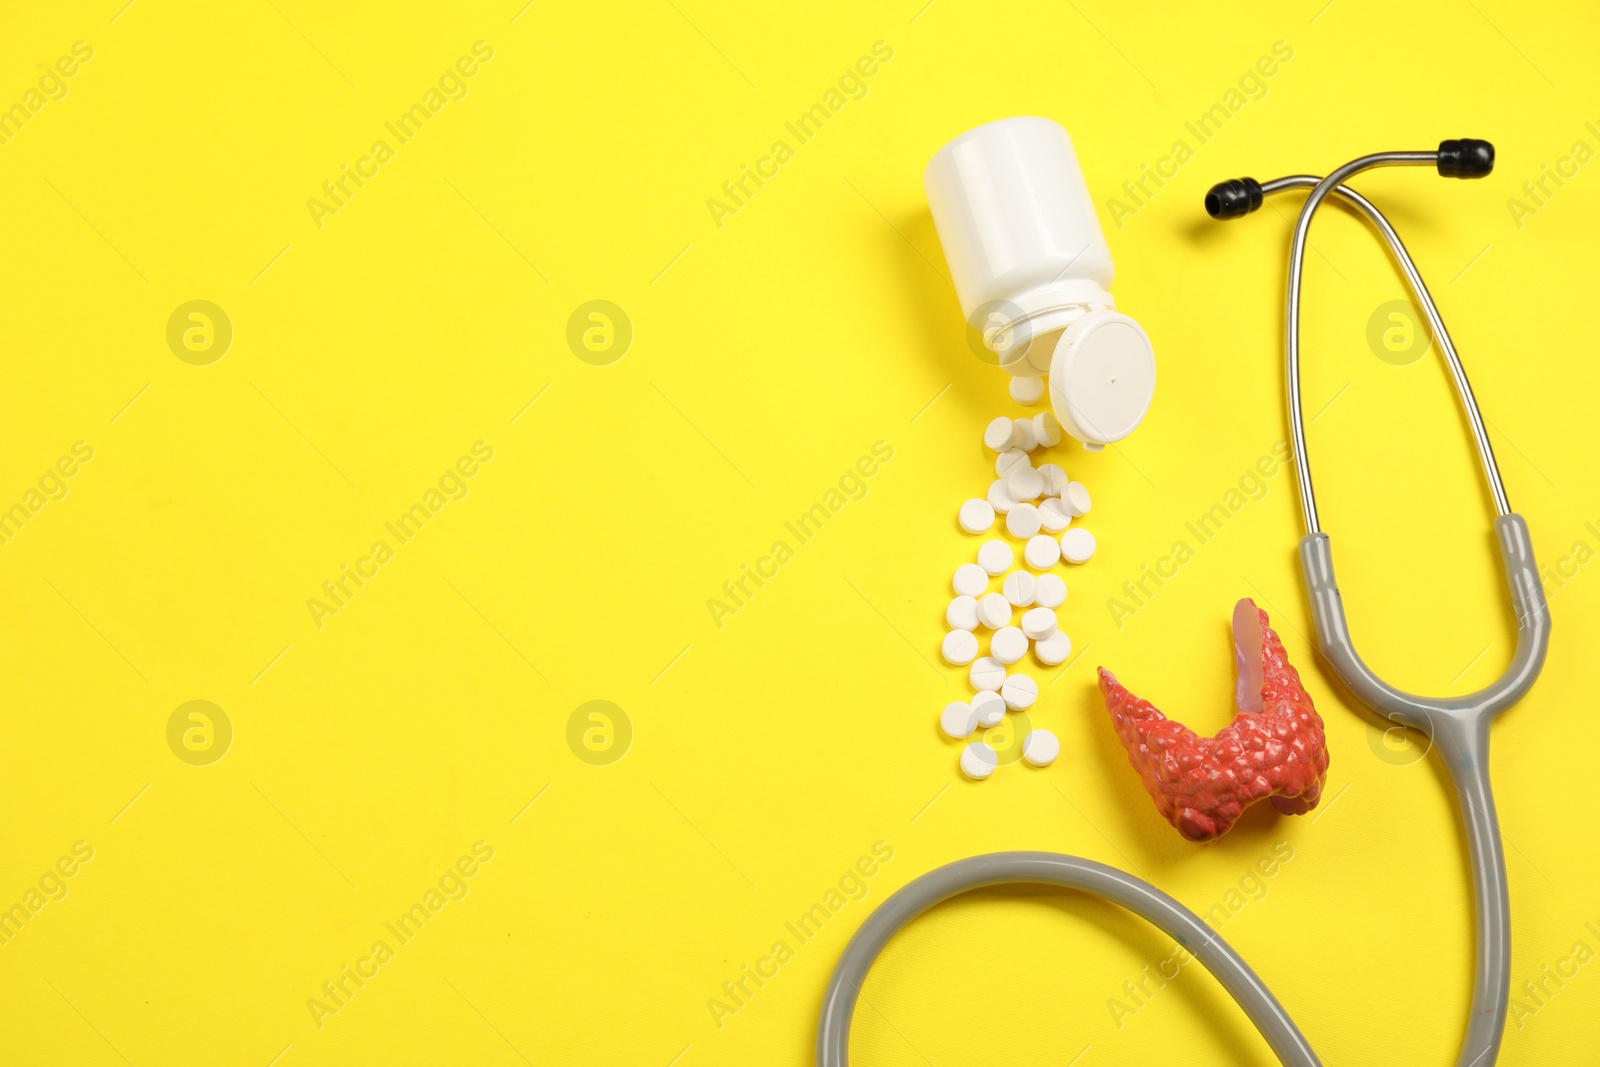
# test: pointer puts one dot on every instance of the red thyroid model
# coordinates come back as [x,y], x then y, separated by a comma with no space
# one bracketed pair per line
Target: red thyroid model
[1273,748]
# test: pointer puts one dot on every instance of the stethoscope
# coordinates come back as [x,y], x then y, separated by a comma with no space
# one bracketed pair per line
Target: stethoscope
[1458,726]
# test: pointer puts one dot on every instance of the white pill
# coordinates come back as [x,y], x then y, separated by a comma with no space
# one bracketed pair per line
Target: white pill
[1047,429]
[1050,592]
[971,580]
[999,434]
[1018,588]
[994,610]
[1019,691]
[1009,460]
[1027,390]
[987,673]
[1077,545]
[1042,552]
[1055,479]
[958,719]
[1022,435]
[959,647]
[1077,498]
[1041,748]
[1024,483]
[1000,497]
[978,761]
[1054,649]
[1022,521]
[995,557]
[1039,623]
[962,613]
[1054,515]
[989,708]
[976,516]
[1008,644]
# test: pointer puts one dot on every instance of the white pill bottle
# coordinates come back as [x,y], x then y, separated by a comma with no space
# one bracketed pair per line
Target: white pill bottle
[1033,273]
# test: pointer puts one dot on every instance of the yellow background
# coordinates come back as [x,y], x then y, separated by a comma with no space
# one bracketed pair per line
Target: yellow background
[768,355]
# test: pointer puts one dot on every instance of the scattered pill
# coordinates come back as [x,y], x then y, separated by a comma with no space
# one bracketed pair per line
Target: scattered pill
[1022,521]
[978,761]
[1000,497]
[995,557]
[1042,552]
[1054,515]
[1055,479]
[987,673]
[1077,498]
[959,647]
[999,434]
[1054,649]
[1018,588]
[1008,644]
[1038,623]
[1047,429]
[958,719]
[976,516]
[962,613]
[1024,483]
[1027,390]
[971,580]
[1019,691]
[1023,436]
[1040,748]
[1050,591]
[988,708]
[994,610]
[1077,544]
[1011,458]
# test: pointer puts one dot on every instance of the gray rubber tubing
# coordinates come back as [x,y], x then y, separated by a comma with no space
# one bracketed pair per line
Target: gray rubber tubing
[1459,729]
[1071,872]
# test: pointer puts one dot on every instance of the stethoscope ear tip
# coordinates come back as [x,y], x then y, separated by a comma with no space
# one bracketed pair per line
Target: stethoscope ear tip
[1465,158]
[1233,198]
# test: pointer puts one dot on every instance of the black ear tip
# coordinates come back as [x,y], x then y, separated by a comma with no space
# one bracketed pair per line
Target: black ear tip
[1465,158]
[1233,198]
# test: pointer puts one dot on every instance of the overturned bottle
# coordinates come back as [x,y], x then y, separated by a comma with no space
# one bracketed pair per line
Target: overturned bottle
[1033,273]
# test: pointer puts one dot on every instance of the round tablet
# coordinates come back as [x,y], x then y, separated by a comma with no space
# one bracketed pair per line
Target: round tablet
[1038,623]
[978,761]
[1055,479]
[1022,435]
[1022,521]
[1041,748]
[1054,514]
[1077,544]
[962,613]
[1019,691]
[987,673]
[1025,483]
[1008,644]
[1027,390]
[971,580]
[1000,497]
[959,647]
[1054,649]
[976,516]
[1019,588]
[1009,459]
[1042,552]
[958,719]
[1050,592]
[995,557]
[988,708]
[994,610]
[1047,428]
[999,433]
[1077,498]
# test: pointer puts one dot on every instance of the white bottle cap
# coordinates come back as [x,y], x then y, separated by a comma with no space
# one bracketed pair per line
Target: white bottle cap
[1102,377]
